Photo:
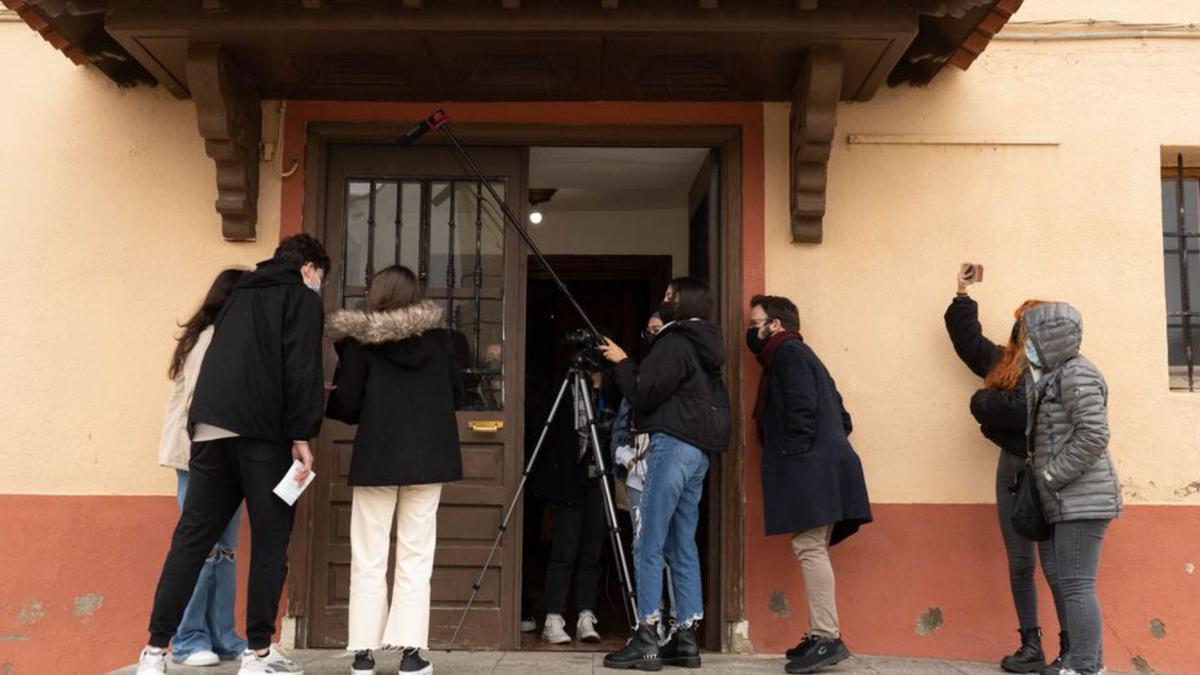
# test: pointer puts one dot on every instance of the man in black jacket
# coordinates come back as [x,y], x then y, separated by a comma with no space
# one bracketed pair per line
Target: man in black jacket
[257,404]
[812,480]
[679,398]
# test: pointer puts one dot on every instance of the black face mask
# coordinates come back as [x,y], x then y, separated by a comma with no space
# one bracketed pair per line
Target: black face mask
[667,312]
[754,342]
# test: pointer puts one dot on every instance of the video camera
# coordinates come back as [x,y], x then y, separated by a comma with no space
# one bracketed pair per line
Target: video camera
[588,344]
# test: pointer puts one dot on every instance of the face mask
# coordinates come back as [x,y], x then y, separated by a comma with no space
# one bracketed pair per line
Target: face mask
[754,342]
[1031,355]
[315,286]
[667,312]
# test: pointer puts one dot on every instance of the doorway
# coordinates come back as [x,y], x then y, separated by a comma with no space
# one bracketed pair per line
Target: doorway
[418,184]
[617,224]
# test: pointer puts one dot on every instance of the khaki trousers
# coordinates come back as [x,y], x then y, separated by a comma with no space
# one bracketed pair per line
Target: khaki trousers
[812,550]
[405,623]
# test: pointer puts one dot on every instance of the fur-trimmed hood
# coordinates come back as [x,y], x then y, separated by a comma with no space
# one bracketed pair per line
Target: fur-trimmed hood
[374,328]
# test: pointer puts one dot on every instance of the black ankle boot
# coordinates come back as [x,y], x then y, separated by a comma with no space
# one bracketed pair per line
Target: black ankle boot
[640,653]
[681,649]
[1064,650]
[1029,658]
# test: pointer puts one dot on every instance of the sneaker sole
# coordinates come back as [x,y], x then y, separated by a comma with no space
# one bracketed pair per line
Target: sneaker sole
[683,662]
[828,663]
[1034,668]
[427,670]
[243,671]
[590,639]
[359,671]
[650,666]
[565,640]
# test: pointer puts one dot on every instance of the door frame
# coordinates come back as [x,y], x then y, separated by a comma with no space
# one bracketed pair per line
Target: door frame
[727,139]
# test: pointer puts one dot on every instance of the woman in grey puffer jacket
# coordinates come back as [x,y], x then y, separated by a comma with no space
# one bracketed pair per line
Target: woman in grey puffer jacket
[1068,429]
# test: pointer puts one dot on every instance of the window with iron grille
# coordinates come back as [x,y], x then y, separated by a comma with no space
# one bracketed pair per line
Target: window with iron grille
[1181,258]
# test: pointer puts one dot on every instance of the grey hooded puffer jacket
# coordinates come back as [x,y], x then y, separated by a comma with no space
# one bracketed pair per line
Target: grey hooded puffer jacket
[1068,413]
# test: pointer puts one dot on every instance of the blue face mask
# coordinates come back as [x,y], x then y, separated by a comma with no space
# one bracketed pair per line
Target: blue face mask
[1031,355]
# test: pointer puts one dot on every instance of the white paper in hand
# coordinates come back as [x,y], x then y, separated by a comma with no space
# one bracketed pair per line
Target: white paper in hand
[288,489]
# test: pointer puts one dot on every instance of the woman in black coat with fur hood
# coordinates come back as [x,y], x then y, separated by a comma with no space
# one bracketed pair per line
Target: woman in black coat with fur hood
[999,408]
[398,380]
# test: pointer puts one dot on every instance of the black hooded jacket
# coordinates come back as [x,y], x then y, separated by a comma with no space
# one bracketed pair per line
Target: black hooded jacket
[398,380]
[261,377]
[677,389]
[1001,414]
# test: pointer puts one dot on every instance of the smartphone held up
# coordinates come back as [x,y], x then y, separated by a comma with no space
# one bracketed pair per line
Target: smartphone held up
[971,273]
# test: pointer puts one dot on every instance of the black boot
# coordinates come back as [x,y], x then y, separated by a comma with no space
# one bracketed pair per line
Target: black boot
[640,653]
[1029,658]
[822,653]
[681,649]
[1064,650]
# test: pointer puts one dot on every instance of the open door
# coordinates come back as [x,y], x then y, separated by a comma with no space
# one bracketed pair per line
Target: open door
[415,206]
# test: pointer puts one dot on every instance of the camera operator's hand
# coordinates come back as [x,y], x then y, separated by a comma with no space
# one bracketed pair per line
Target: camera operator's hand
[612,352]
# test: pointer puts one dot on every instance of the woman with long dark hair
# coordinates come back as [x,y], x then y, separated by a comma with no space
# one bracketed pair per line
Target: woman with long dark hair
[398,380]
[1000,408]
[679,398]
[206,634]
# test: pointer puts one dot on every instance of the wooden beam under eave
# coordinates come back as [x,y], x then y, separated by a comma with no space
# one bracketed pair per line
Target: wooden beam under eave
[510,4]
[229,117]
[313,4]
[813,122]
[610,4]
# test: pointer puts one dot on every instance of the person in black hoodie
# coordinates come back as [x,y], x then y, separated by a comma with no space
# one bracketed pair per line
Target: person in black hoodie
[679,398]
[398,380]
[999,408]
[256,406]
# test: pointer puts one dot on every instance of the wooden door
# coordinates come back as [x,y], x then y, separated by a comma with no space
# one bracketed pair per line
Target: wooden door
[416,206]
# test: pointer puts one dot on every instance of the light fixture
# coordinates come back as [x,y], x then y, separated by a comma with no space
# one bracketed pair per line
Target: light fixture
[535,217]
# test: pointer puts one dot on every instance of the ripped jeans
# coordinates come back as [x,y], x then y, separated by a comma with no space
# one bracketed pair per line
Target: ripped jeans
[669,514]
[208,623]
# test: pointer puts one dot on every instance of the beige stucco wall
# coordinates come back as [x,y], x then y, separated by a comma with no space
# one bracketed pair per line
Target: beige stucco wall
[1077,221]
[641,232]
[110,237]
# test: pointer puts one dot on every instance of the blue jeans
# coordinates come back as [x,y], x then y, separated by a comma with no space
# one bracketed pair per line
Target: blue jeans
[207,623]
[670,513]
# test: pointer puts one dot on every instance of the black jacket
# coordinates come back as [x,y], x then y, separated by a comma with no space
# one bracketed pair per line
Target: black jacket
[677,389]
[261,377]
[811,475]
[397,379]
[1001,414]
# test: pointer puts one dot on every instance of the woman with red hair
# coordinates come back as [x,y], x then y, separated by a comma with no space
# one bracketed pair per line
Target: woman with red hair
[999,407]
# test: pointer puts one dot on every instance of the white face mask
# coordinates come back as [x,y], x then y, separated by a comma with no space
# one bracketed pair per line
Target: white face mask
[1031,355]
[314,285]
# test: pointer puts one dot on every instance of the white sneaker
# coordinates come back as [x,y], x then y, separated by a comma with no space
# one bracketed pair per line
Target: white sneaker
[203,657]
[152,662]
[585,627]
[275,661]
[528,625]
[555,631]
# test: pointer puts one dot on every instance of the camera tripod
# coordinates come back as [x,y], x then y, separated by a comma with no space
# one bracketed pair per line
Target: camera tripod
[577,379]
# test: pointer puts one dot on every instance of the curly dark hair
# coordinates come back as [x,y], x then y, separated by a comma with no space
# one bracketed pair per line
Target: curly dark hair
[779,307]
[301,249]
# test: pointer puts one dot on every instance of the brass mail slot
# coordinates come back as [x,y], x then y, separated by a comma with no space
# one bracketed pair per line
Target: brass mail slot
[486,427]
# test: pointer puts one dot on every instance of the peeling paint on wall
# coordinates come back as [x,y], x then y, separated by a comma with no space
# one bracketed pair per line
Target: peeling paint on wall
[1158,629]
[1188,490]
[778,604]
[31,612]
[1190,568]
[13,637]
[930,621]
[1141,667]
[86,605]
[7,669]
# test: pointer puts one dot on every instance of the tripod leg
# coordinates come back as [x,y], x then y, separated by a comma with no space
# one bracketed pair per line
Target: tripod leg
[610,510]
[511,507]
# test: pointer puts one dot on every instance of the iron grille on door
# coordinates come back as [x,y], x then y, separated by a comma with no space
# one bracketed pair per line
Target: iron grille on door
[450,234]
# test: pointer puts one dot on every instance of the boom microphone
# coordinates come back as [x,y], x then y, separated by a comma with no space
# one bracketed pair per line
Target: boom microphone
[434,121]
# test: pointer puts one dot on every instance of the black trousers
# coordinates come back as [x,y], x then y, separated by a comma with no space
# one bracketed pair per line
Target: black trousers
[222,474]
[576,551]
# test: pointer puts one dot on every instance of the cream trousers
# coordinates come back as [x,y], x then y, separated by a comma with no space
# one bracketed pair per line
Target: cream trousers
[812,550]
[405,622]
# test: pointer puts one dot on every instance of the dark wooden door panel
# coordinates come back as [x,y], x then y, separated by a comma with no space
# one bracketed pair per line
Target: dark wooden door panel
[415,206]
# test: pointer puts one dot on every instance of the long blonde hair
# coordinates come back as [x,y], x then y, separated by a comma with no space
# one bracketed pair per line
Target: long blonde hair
[1006,374]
